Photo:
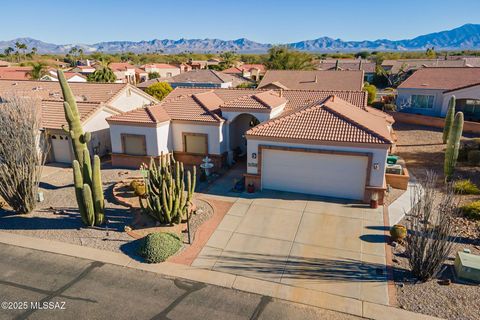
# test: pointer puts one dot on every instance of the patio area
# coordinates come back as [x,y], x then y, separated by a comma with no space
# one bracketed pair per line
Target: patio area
[328,245]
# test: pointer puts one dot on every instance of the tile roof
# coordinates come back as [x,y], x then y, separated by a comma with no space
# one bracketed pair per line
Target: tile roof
[246,67]
[120,66]
[332,120]
[143,115]
[53,115]
[88,92]
[366,66]
[314,80]
[15,73]
[442,78]
[159,66]
[414,64]
[201,104]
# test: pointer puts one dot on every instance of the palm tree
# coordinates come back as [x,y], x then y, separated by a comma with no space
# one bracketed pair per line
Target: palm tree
[38,71]
[21,46]
[8,51]
[103,73]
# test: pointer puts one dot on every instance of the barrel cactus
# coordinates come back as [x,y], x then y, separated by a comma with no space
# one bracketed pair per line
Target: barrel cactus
[168,197]
[449,119]
[87,179]
[453,146]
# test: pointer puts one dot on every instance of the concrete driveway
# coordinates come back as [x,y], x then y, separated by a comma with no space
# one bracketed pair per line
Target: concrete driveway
[332,246]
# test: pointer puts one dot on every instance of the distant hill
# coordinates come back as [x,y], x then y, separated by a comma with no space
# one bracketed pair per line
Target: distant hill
[464,37]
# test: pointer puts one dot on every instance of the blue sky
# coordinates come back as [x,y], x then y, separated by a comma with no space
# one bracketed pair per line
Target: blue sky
[261,20]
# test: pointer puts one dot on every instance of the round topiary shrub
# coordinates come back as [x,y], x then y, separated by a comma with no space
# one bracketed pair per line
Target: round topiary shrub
[157,247]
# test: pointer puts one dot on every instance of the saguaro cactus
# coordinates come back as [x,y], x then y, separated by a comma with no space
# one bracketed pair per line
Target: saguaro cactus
[88,181]
[168,198]
[449,119]
[453,145]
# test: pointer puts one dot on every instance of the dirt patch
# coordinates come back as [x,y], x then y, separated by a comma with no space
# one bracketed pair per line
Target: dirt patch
[422,149]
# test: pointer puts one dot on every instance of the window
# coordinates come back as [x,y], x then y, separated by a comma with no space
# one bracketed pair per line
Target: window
[169,74]
[195,143]
[470,108]
[422,101]
[134,144]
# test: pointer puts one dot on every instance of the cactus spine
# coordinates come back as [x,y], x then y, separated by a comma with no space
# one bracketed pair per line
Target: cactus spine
[453,146]
[449,119]
[168,197]
[88,180]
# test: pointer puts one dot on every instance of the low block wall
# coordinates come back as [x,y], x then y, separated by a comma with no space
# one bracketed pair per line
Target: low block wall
[196,159]
[401,117]
[120,160]
[253,179]
[398,181]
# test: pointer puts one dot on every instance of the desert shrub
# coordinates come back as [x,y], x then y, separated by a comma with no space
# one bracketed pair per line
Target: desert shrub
[465,187]
[138,187]
[389,107]
[431,236]
[372,92]
[157,247]
[474,157]
[471,210]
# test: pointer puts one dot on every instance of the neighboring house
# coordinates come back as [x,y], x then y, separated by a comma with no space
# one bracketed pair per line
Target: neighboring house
[199,78]
[410,65]
[368,67]
[203,64]
[124,71]
[15,73]
[428,91]
[163,69]
[85,70]
[312,80]
[96,101]
[250,71]
[317,142]
[70,76]
[141,75]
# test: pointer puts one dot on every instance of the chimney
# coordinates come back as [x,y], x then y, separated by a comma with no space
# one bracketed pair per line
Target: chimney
[281,92]
[316,79]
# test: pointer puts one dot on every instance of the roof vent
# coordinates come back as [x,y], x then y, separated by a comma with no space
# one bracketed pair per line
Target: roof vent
[37,88]
[82,98]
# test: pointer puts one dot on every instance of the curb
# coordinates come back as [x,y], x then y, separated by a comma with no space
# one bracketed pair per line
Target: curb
[275,290]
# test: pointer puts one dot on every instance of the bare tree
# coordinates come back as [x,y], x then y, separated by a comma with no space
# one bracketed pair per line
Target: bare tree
[431,237]
[23,151]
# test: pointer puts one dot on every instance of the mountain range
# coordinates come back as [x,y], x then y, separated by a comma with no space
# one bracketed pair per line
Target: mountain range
[462,38]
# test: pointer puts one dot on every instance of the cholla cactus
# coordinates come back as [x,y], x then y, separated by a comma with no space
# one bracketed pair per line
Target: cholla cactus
[167,197]
[453,146]
[87,180]
[449,119]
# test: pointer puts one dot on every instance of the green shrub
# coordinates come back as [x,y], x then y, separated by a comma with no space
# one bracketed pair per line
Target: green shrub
[372,92]
[465,187]
[472,210]
[157,247]
[378,105]
[389,107]
[474,157]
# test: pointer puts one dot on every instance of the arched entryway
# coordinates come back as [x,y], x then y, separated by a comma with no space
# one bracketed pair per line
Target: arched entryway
[237,128]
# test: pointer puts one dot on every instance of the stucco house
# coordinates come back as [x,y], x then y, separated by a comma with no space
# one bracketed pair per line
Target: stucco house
[312,80]
[428,91]
[163,69]
[251,71]
[124,71]
[70,76]
[368,67]
[328,137]
[96,102]
[204,78]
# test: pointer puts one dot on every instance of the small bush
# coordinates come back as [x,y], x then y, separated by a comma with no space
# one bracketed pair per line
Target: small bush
[465,187]
[474,157]
[389,107]
[157,247]
[472,210]
[138,187]
[378,105]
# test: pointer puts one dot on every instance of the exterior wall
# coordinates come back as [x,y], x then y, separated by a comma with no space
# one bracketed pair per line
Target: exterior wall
[163,72]
[379,156]
[436,122]
[467,93]
[150,133]
[100,143]
[404,95]
[214,132]
[398,181]
[127,102]
[226,85]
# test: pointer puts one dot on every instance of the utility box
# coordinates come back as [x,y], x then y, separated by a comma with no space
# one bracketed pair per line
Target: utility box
[467,266]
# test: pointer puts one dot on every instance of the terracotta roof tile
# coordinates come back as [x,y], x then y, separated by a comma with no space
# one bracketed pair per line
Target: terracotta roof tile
[88,92]
[53,115]
[314,80]
[333,120]
[442,78]
[143,115]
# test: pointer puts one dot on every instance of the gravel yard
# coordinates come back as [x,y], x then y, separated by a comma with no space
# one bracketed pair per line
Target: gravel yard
[422,149]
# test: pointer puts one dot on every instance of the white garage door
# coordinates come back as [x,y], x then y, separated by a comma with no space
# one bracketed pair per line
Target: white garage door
[61,148]
[330,175]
